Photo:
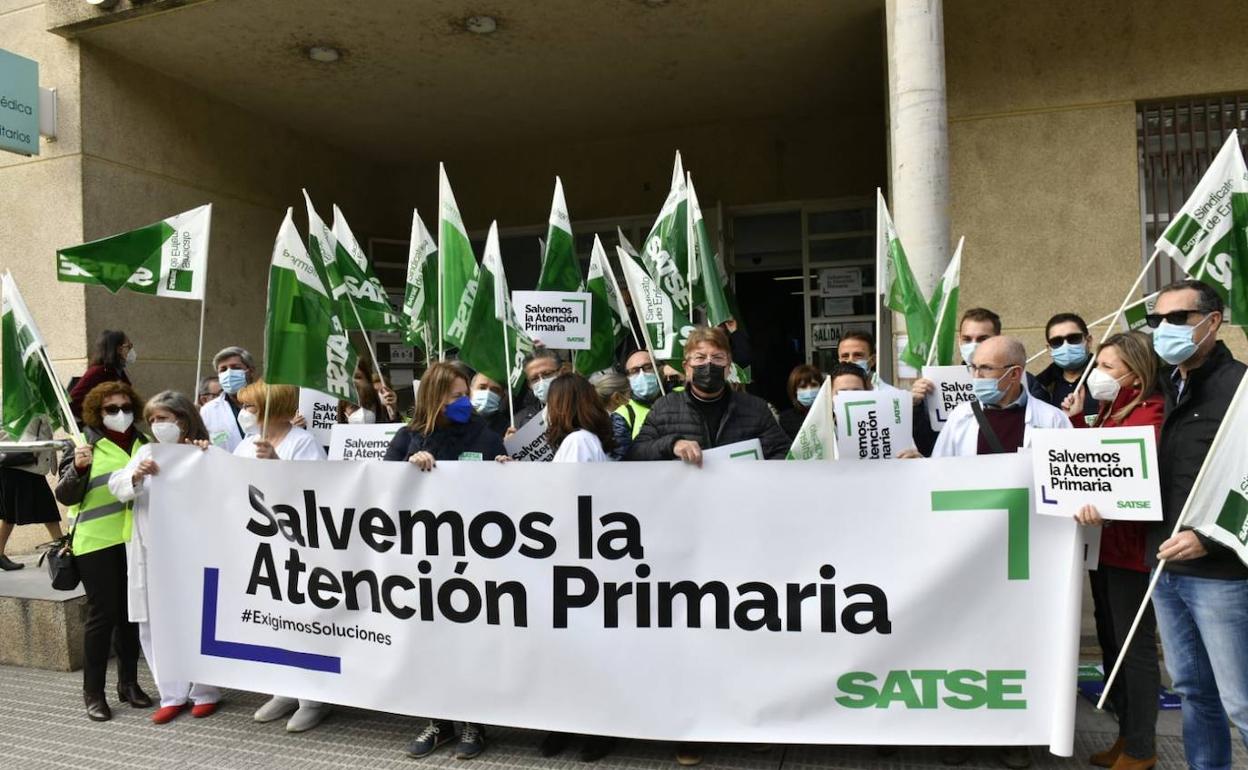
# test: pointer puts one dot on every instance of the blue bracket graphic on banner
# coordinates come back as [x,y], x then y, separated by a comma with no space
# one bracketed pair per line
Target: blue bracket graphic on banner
[209,644]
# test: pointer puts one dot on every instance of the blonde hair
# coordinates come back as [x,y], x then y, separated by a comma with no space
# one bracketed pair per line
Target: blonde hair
[272,402]
[435,386]
[1136,351]
[712,335]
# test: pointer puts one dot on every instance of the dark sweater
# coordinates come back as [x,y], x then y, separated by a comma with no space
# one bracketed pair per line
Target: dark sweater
[448,443]
[675,418]
[1009,425]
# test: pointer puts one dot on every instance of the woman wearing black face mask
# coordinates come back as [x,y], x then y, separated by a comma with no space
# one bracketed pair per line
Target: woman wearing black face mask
[445,428]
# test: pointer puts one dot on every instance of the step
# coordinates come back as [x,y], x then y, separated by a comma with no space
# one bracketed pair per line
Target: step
[40,626]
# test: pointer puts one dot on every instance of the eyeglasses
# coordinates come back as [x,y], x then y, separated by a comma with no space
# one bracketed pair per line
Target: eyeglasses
[1174,318]
[114,409]
[647,368]
[1074,338]
[698,359]
[987,369]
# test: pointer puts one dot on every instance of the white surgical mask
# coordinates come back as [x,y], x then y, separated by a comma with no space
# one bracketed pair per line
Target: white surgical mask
[1103,387]
[131,357]
[166,432]
[118,423]
[362,417]
[968,349]
[248,421]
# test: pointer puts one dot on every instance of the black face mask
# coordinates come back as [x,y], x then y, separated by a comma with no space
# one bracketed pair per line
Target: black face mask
[709,377]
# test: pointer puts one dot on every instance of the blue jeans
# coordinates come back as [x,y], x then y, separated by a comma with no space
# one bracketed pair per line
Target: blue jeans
[1204,631]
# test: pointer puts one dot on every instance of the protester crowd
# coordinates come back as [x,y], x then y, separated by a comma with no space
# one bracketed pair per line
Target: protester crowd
[1179,380]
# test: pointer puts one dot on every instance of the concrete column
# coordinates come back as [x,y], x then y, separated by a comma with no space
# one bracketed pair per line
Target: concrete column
[918,134]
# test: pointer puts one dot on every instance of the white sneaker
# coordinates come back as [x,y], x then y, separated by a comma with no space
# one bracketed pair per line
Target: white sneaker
[276,708]
[309,715]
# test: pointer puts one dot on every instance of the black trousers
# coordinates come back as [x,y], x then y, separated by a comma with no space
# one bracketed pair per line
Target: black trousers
[1116,596]
[103,575]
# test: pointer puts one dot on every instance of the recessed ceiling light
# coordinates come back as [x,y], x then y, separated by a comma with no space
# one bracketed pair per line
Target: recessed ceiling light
[324,53]
[481,25]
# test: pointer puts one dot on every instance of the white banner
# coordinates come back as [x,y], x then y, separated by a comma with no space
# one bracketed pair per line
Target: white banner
[952,386]
[555,319]
[362,442]
[1114,469]
[320,411]
[872,424]
[557,596]
[751,449]
[528,443]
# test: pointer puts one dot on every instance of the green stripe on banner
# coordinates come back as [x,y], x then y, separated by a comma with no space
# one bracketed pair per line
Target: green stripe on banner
[1015,502]
[1234,516]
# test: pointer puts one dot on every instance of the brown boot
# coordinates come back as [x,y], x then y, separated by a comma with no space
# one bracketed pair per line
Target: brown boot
[1109,756]
[1127,762]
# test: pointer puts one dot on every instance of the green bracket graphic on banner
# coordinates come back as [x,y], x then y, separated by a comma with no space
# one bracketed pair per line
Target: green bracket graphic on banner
[1015,502]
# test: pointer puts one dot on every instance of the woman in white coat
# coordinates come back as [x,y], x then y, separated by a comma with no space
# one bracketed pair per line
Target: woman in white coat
[173,419]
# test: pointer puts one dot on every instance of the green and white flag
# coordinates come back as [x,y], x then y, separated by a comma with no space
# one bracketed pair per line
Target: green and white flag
[560,271]
[944,307]
[490,317]
[625,244]
[420,298]
[456,266]
[167,259]
[709,279]
[322,248]
[306,343]
[664,326]
[1134,316]
[665,252]
[1209,235]
[1218,504]
[900,289]
[606,328]
[816,439]
[363,286]
[29,391]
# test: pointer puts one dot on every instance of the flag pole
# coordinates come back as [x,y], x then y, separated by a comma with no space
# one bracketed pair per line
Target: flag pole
[879,277]
[71,425]
[368,343]
[511,406]
[199,357]
[1218,438]
[1114,318]
[689,266]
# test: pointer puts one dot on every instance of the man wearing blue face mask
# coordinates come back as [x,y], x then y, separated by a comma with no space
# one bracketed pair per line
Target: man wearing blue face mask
[643,386]
[541,368]
[1201,598]
[489,401]
[235,369]
[1068,341]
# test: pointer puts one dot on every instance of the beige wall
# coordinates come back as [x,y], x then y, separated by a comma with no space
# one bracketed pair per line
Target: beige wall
[1045,183]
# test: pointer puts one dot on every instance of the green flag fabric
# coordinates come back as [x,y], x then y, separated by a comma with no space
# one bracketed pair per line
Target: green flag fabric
[944,307]
[456,267]
[306,343]
[323,251]
[900,289]
[665,326]
[709,281]
[665,252]
[1218,504]
[606,328]
[165,259]
[29,391]
[363,287]
[1209,235]
[560,271]
[816,439]
[490,316]
[420,298]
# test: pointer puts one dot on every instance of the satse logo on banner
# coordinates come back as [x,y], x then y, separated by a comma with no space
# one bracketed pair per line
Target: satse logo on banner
[951,385]
[1114,469]
[872,425]
[555,319]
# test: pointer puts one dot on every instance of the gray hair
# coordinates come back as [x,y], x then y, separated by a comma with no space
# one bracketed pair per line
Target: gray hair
[609,384]
[1015,351]
[203,384]
[540,353]
[186,413]
[230,352]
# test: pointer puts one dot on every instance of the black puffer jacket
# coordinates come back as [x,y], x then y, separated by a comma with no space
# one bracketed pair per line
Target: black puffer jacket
[448,443]
[673,418]
[1192,420]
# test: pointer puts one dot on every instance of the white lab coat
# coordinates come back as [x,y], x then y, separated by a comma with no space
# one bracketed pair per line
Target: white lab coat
[581,446]
[960,436]
[222,425]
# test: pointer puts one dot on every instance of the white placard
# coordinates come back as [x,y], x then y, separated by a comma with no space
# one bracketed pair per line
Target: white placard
[840,281]
[751,449]
[555,319]
[837,306]
[362,442]
[951,386]
[872,424]
[1114,469]
[528,444]
[320,411]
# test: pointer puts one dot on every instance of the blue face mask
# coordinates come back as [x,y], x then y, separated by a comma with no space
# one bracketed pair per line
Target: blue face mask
[968,350]
[486,402]
[864,364]
[988,389]
[645,385]
[459,410]
[1176,344]
[806,396]
[542,387]
[1070,356]
[232,380]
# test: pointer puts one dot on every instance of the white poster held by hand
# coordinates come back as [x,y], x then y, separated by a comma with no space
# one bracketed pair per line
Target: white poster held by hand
[320,411]
[1114,469]
[872,424]
[528,443]
[362,442]
[951,386]
[751,449]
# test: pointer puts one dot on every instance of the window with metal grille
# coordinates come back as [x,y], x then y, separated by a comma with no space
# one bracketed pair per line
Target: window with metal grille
[1177,139]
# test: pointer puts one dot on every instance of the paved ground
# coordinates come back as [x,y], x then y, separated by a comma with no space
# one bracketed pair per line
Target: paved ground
[42,725]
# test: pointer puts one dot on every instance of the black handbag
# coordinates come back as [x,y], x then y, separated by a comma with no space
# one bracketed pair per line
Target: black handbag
[61,565]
